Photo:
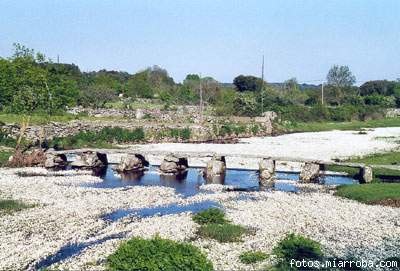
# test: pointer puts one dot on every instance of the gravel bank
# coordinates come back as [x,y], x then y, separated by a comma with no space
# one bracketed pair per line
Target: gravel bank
[318,145]
[67,213]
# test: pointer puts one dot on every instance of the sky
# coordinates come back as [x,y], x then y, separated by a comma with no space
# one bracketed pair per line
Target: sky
[217,38]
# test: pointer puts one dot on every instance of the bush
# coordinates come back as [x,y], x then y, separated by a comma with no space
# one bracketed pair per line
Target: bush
[298,248]
[222,232]
[250,257]
[157,254]
[210,216]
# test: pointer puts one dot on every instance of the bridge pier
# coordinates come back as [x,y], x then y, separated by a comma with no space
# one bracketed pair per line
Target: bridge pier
[366,174]
[267,171]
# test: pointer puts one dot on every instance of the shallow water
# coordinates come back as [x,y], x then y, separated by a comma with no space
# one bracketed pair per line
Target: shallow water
[188,183]
[161,210]
[71,250]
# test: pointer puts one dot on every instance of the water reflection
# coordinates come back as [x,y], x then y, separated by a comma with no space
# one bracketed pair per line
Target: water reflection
[188,182]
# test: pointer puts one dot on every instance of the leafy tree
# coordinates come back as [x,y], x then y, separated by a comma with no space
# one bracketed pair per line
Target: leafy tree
[381,87]
[224,102]
[247,83]
[340,76]
[245,105]
[97,96]
[139,86]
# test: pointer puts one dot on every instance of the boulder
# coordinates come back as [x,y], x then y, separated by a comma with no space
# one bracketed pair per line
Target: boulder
[90,159]
[173,164]
[366,175]
[215,167]
[309,172]
[132,162]
[53,160]
[267,171]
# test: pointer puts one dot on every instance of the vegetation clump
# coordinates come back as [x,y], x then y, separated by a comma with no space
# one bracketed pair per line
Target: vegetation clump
[296,248]
[250,257]
[210,216]
[214,225]
[157,255]
[223,233]
[8,206]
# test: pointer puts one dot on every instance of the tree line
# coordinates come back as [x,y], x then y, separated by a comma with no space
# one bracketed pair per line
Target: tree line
[31,83]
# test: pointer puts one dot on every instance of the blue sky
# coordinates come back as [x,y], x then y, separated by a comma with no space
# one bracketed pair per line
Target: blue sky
[222,39]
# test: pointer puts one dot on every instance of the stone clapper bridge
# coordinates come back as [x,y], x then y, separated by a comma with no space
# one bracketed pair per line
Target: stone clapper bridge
[310,172]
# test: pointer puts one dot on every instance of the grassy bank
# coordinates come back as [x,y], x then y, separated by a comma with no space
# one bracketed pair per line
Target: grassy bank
[374,193]
[328,126]
[389,158]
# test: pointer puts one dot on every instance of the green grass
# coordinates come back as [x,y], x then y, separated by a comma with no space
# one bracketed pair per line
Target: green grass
[4,155]
[8,206]
[380,174]
[250,257]
[353,125]
[374,193]
[210,216]
[389,158]
[222,232]
[156,255]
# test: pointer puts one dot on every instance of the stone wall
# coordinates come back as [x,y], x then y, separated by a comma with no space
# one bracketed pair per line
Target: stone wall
[153,131]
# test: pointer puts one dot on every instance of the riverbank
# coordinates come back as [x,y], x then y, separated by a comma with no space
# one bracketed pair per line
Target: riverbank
[66,213]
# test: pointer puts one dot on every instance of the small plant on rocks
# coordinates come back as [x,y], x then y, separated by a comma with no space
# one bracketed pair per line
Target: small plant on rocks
[212,215]
[250,257]
[156,255]
[222,232]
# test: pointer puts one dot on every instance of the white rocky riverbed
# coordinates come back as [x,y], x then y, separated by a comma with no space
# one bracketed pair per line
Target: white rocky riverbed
[67,213]
[318,146]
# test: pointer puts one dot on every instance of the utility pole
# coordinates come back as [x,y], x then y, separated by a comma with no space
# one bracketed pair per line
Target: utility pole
[262,86]
[58,59]
[201,102]
[322,93]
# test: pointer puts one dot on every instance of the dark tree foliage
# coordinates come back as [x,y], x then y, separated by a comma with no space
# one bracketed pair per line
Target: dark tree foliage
[247,83]
[381,87]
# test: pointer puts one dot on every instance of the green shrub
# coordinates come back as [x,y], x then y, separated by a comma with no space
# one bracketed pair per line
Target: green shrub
[157,254]
[298,248]
[250,257]
[210,216]
[255,129]
[222,232]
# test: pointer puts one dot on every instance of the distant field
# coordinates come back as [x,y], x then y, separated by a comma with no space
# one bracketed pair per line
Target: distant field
[353,125]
